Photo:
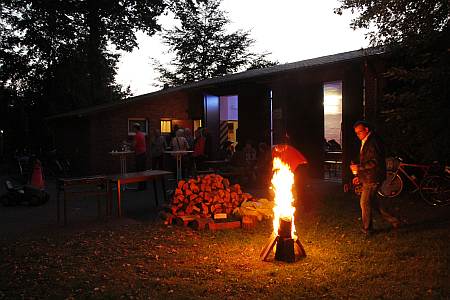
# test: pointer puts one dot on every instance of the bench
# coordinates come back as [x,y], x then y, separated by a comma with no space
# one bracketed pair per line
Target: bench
[82,186]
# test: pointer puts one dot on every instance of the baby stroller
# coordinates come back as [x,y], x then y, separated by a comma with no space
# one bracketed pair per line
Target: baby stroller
[32,195]
[18,194]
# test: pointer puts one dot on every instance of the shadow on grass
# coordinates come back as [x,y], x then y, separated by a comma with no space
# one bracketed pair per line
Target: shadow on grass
[429,224]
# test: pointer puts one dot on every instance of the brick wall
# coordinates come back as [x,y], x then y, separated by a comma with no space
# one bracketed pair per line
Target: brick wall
[109,128]
[298,94]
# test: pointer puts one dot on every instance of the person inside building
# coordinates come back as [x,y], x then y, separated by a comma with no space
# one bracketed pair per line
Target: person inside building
[173,133]
[371,171]
[226,151]
[189,138]
[250,153]
[179,142]
[199,150]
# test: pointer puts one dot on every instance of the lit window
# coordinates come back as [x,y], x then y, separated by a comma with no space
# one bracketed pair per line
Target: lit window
[166,126]
[197,124]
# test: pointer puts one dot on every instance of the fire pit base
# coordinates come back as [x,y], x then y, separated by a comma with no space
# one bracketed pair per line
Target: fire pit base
[287,249]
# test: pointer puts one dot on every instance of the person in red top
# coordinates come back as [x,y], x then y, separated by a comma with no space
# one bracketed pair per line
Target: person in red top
[140,150]
[199,150]
[298,164]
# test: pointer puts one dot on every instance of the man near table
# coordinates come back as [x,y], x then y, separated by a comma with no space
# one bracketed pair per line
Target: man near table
[371,172]
[140,150]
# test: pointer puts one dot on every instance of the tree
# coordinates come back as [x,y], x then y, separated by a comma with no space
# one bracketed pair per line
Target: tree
[40,38]
[414,112]
[57,55]
[202,47]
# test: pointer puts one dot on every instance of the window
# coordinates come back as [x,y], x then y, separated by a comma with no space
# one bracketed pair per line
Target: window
[197,124]
[332,107]
[143,125]
[166,126]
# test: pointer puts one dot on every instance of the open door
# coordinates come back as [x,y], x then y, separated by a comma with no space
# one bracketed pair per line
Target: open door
[332,104]
[212,120]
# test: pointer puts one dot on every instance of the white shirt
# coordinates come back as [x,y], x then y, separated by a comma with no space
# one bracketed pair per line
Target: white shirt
[363,142]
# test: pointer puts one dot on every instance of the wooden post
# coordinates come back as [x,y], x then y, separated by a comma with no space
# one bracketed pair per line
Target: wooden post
[119,206]
[266,251]
[155,192]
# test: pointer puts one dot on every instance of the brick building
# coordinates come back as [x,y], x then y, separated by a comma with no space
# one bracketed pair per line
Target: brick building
[260,105]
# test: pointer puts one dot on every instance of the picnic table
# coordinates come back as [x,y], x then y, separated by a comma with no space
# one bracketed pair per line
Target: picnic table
[101,185]
[132,177]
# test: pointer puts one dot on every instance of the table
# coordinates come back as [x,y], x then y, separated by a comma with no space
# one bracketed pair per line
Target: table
[123,159]
[178,155]
[86,186]
[132,177]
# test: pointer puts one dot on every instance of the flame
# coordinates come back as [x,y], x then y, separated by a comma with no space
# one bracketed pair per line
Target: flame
[282,183]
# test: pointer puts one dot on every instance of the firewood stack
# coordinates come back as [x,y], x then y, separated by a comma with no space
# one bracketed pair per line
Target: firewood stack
[207,195]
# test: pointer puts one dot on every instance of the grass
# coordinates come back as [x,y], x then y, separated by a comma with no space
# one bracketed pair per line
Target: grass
[127,259]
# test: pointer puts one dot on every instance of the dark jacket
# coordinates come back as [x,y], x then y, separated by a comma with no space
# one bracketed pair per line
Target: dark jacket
[372,168]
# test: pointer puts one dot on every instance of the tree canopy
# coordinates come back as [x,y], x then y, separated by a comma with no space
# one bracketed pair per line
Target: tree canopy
[60,50]
[203,47]
[414,112]
[59,55]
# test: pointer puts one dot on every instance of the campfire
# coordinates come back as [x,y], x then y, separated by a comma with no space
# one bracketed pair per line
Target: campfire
[284,236]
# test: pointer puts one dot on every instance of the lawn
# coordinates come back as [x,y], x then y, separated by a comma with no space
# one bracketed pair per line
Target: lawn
[147,259]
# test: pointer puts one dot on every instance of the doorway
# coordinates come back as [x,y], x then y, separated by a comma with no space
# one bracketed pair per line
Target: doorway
[228,119]
[332,108]
[221,116]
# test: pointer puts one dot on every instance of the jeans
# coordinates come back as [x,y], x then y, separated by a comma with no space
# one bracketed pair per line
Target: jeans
[370,200]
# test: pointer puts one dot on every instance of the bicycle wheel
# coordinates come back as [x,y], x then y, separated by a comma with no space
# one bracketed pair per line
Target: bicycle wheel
[435,190]
[392,186]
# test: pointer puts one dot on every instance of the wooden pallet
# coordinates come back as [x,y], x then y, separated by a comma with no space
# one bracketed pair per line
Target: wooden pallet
[185,220]
[198,223]
[213,226]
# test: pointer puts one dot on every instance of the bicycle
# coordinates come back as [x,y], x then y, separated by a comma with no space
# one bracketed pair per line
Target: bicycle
[434,185]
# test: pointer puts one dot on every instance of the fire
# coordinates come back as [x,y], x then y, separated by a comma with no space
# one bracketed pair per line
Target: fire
[282,183]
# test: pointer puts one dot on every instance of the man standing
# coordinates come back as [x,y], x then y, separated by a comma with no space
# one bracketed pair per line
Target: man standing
[140,150]
[371,172]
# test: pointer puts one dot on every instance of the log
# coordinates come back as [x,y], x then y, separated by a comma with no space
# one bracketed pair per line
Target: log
[213,193]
